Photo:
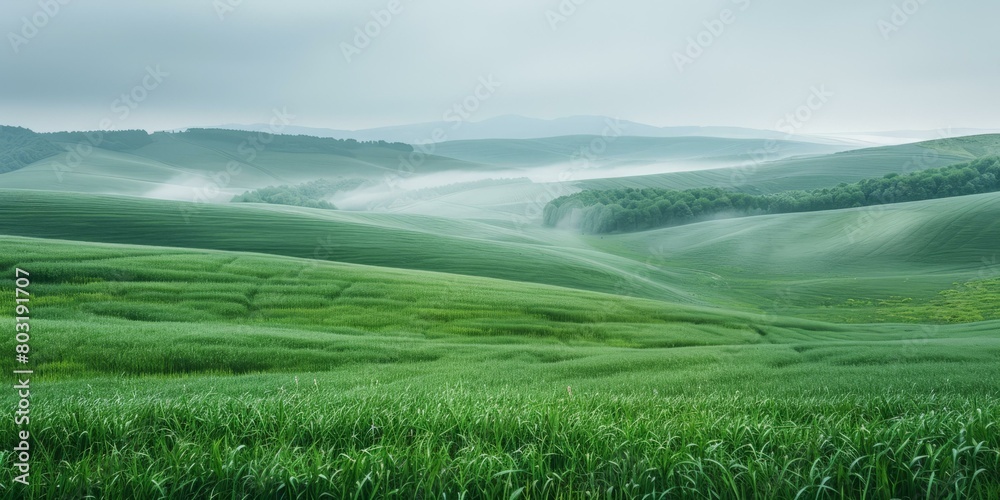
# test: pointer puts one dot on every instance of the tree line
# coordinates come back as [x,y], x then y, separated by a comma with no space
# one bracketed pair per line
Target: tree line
[630,209]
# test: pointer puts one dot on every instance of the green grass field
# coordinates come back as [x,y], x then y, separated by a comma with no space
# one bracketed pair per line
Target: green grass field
[815,264]
[187,373]
[446,345]
[834,266]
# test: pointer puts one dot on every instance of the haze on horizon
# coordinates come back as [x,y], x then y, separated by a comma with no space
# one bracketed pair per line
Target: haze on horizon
[887,64]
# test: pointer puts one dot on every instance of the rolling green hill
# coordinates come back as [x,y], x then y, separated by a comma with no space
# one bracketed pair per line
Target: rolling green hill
[215,165]
[813,264]
[401,241]
[185,349]
[205,370]
[174,293]
[972,146]
[816,172]
[190,164]
[81,283]
[626,210]
[722,163]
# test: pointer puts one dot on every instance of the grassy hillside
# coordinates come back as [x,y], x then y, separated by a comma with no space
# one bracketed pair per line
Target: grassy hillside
[176,292]
[566,165]
[171,372]
[816,172]
[972,146]
[409,242]
[198,350]
[215,165]
[816,264]
[190,164]
[627,210]
[754,167]
[515,201]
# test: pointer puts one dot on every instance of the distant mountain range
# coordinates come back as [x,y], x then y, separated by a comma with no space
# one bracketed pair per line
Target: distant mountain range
[520,127]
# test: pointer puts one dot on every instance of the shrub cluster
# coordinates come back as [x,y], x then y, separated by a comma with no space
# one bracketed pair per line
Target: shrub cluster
[311,194]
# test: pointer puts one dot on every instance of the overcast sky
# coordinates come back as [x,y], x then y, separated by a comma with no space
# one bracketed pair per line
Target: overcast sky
[235,61]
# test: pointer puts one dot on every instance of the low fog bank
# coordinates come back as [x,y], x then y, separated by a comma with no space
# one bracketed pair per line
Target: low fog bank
[413,186]
[195,188]
[452,193]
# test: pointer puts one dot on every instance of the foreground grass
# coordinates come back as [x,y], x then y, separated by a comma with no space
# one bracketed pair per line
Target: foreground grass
[167,373]
[394,433]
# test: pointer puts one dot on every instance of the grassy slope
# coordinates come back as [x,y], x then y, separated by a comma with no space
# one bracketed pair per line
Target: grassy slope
[820,171]
[174,166]
[170,372]
[713,159]
[189,167]
[175,293]
[375,382]
[410,242]
[515,201]
[818,265]
[553,158]
[813,263]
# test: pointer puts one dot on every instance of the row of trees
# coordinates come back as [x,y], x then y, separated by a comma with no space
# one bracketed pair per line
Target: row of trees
[311,194]
[622,210]
[20,147]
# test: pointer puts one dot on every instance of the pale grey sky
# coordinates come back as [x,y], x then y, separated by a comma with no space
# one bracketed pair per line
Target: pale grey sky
[225,61]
